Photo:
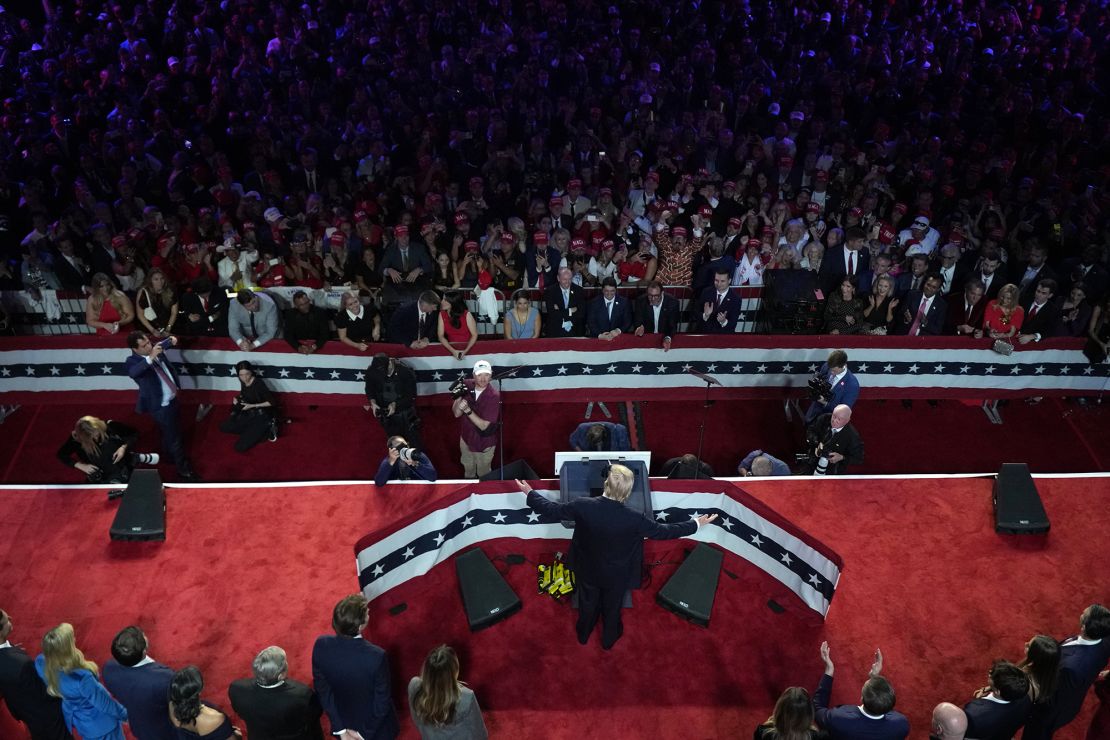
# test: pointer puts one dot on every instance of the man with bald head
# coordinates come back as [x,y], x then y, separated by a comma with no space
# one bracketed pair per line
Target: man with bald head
[834,440]
[949,722]
[566,308]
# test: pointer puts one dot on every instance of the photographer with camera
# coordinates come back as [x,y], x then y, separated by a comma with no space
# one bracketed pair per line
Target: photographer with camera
[832,385]
[391,390]
[403,462]
[159,387]
[477,406]
[103,450]
[834,443]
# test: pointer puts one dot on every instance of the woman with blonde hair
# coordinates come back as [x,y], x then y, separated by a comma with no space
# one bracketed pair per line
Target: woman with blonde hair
[108,309]
[156,303]
[1003,317]
[443,707]
[87,706]
[103,450]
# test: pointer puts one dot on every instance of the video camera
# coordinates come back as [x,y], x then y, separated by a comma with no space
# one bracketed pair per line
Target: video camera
[458,389]
[819,387]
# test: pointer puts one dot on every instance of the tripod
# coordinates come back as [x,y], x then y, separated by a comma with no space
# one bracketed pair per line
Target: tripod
[709,381]
[510,373]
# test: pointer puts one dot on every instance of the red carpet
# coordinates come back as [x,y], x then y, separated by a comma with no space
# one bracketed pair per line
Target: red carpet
[346,443]
[925,578]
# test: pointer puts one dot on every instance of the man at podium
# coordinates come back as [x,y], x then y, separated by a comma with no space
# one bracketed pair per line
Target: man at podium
[607,537]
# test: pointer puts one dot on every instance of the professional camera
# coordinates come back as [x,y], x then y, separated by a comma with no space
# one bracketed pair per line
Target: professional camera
[458,389]
[819,387]
[407,454]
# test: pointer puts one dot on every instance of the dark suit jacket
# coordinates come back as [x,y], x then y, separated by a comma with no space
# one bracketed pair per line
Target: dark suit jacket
[1096,279]
[1079,667]
[1046,322]
[997,281]
[289,711]
[599,321]
[311,326]
[556,313]
[846,391]
[833,267]
[933,323]
[903,286]
[70,277]
[26,697]
[1018,272]
[144,690]
[150,385]
[990,720]
[730,305]
[847,722]
[351,677]
[956,313]
[217,307]
[418,257]
[404,325]
[644,316]
[847,442]
[608,537]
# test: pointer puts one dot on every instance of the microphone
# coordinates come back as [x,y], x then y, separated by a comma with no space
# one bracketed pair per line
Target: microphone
[703,377]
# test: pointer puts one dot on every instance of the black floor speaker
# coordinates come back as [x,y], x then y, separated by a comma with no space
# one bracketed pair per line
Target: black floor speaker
[487,598]
[1017,505]
[511,471]
[691,590]
[142,510]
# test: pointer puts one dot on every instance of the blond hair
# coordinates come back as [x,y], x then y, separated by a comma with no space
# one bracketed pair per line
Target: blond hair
[116,297]
[90,433]
[618,486]
[59,648]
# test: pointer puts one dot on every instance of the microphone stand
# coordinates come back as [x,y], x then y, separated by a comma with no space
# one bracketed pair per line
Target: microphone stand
[510,373]
[709,381]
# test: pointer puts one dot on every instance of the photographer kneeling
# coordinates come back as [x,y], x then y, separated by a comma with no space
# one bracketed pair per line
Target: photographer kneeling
[834,444]
[404,463]
[252,413]
[103,450]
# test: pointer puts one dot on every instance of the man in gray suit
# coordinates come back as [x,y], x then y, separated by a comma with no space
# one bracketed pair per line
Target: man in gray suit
[252,320]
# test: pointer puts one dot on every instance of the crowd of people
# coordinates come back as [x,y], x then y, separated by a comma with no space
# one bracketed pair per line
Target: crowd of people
[936,168]
[62,691]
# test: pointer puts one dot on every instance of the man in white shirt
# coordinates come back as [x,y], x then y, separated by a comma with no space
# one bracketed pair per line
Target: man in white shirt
[920,238]
[235,268]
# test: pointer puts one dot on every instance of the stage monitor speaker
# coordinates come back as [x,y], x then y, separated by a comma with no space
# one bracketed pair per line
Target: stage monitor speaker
[690,591]
[1017,505]
[516,469]
[142,510]
[487,598]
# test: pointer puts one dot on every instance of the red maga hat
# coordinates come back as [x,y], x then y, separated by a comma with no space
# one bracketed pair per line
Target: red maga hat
[540,237]
[678,231]
[461,218]
[471,246]
[734,221]
[401,230]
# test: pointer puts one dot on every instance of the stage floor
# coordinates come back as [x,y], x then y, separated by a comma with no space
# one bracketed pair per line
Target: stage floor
[925,578]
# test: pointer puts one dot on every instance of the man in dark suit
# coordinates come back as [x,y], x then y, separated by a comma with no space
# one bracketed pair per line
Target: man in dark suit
[964,315]
[1000,710]
[844,388]
[306,326]
[351,676]
[204,309]
[608,316]
[656,313]
[718,308]
[1027,275]
[141,684]
[913,280]
[25,693]
[600,436]
[274,706]
[1082,658]
[1086,269]
[407,265]
[835,440]
[565,305]
[925,310]
[413,324]
[1042,314]
[873,719]
[849,258]
[72,270]
[159,387]
[990,273]
[608,536]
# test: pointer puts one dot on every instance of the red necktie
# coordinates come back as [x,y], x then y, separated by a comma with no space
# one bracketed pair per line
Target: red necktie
[916,325]
[165,376]
[851,263]
[1033,310]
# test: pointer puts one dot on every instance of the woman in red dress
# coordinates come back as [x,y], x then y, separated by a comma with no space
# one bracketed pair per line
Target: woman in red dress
[108,309]
[457,326]
[1003,317]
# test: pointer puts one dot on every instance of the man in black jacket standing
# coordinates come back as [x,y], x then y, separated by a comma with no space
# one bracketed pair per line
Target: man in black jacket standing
[274,706]
[141,684]
[656,313]
[25,693]
[607,537]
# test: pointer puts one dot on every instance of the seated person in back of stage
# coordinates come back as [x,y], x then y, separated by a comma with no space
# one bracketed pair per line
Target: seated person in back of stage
[686,467]
[792,718]
[205,309]
[1000,709]
[761,465]
[601,436]
[306,326]
[252,319]
[403,462]
[103,450]
[873,719]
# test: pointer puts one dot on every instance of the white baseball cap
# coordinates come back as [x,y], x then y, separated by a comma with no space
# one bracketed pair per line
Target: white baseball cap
[481,366]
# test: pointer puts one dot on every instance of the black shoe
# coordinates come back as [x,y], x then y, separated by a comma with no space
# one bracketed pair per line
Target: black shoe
[609,646]
[188,476]
[117,493]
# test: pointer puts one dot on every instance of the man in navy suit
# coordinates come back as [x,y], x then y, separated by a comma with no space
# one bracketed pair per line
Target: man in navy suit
[849,258]
[999,711]
[159,387]
[413,324]
[25,693]
[610,315]
[1081,660]
[845,387]
[141,684]
[873,719]
[607,538]
[351,676]
[925,310]
[720,307]
[1042,314]
[274,706]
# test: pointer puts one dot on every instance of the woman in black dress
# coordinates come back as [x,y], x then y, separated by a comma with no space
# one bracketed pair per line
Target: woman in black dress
[252,412]
[102,450]
[193,718]
[356,323]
